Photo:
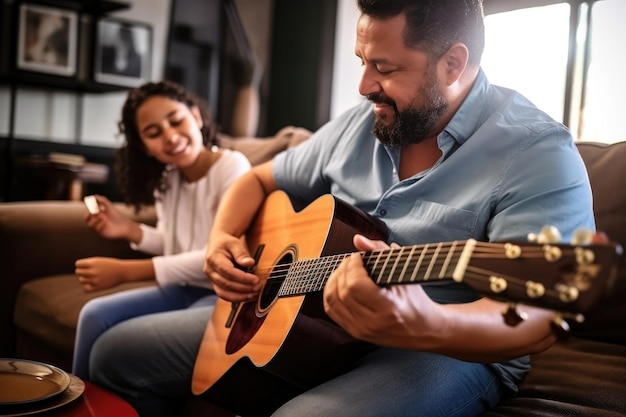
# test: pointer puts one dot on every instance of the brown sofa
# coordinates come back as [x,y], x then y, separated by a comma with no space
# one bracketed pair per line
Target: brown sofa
[584,375]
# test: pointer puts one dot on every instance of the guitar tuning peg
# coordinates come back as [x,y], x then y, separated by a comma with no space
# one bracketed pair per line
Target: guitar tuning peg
[582,237]
[549,234]
[512,316]
[560,327]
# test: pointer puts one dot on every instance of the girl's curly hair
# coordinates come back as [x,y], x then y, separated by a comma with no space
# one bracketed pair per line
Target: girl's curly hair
[138,174]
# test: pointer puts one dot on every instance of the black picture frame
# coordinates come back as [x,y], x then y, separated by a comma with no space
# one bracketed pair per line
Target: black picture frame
[122,52]
[47,40]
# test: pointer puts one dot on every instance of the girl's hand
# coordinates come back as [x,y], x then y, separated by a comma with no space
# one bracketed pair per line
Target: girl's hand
[110,222]
[99,273]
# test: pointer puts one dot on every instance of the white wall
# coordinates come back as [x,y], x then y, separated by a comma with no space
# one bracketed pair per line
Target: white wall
[347,67]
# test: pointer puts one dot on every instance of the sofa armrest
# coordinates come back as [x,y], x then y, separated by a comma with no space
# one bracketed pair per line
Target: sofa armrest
[259,150]
[43,238]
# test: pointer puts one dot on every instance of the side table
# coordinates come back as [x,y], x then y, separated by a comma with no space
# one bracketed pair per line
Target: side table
[94,402]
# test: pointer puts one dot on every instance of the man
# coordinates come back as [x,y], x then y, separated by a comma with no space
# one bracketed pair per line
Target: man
[438,155]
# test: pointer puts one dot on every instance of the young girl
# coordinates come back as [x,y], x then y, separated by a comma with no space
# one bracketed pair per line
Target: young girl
[166,160]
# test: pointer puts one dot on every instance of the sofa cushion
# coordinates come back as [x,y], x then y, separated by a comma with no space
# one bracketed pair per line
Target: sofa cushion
[576,377]
[48,308]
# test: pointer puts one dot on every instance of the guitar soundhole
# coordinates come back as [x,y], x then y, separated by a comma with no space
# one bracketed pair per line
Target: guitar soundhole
[275,280]
[249,319]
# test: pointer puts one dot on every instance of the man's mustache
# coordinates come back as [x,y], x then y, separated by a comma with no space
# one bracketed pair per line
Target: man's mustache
[381,99]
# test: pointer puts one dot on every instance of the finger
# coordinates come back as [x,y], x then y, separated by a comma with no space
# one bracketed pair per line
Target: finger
[232,285]
[363,243]
[357,285]
[240,255]
[221,269]
[82,272]
[600,238]
[339,300]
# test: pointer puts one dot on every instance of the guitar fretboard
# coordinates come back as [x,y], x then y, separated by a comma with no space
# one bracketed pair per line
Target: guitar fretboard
[404,265]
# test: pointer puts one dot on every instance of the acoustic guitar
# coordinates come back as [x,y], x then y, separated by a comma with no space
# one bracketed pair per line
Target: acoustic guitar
[285,331]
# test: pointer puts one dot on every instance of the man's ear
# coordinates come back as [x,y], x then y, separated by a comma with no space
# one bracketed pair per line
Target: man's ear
[455,61]
[195,111]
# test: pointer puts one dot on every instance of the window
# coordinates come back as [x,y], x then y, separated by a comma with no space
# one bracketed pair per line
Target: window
[528,50]
[603,109]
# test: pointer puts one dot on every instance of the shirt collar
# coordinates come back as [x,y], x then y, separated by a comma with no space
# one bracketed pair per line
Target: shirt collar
[469,115]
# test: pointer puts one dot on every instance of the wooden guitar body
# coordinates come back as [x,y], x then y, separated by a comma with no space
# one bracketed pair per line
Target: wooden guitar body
[315,348]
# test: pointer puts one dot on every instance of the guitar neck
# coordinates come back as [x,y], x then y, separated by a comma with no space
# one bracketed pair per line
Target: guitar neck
[404,265]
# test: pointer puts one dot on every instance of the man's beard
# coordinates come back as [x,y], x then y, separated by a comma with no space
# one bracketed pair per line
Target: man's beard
[415,124]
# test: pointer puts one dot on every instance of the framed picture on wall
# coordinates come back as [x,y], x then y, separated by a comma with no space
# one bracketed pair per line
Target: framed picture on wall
[47,40]
[123,52]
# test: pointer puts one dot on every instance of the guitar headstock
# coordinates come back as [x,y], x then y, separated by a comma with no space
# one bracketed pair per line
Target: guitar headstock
[567,278]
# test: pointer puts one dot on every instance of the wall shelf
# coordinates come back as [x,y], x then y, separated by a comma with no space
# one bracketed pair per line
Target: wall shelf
[93,7]
[13,147]
[31,79]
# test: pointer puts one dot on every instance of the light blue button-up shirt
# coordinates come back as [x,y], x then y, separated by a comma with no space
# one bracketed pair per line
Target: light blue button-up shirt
[507,169]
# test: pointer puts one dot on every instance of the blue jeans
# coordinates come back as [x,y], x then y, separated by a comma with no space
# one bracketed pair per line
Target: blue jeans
[149,362]
[102,313]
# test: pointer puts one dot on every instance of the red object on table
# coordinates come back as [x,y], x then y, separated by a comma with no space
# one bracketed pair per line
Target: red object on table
[95,402]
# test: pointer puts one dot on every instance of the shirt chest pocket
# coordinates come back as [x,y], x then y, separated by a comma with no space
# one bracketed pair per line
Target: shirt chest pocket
[428,221]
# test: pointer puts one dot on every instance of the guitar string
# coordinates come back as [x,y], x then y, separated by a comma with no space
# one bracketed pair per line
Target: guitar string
[312,281]
[288,267]
[539,253]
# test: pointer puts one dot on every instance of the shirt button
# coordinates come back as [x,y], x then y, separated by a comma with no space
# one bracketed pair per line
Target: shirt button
[383,212]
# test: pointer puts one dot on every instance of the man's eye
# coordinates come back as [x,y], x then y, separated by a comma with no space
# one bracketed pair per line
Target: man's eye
[176,122]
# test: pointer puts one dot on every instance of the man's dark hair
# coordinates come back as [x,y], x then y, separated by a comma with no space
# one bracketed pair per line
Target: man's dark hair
[138,174]
[435,25]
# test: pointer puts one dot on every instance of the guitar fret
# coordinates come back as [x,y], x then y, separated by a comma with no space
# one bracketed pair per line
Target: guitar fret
[309,284]
[295,277]
[419,263]
[373,271]
[309,280]
[431,264]
[395,264]
[407,262]
[294,280]
[306,274]
[329,267]
[444,268]
[384,267]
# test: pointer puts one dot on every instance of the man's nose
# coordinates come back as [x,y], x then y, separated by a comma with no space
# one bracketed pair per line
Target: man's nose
[369,83]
